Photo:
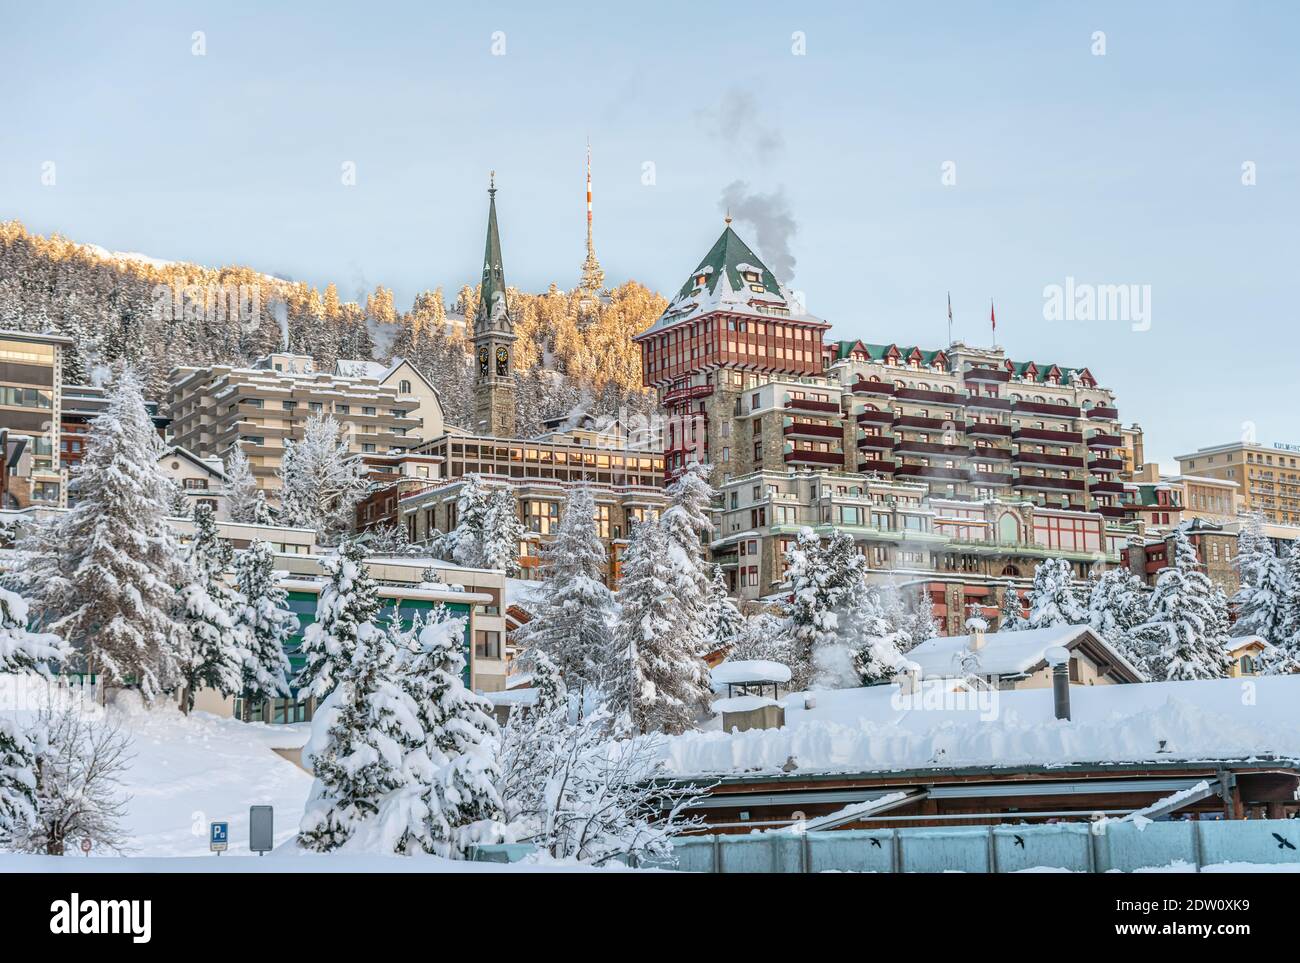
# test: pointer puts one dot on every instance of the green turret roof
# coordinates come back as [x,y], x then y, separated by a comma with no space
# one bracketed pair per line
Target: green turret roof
[492,290]
[727,255]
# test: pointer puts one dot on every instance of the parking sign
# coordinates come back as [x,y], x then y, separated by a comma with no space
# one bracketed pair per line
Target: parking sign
[218,837]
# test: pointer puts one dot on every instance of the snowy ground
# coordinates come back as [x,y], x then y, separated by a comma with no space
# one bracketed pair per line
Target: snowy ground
[282,863]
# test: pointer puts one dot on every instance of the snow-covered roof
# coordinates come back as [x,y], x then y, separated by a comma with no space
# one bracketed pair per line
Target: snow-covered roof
[749,671]
[1006,653]
[742,704]
[879,729]
[1242,641]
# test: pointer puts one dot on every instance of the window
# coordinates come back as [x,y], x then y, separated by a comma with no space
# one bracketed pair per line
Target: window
[404,387]
[193,484]
[487,645]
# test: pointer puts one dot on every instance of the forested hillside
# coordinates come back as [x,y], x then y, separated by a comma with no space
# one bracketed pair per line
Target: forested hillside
[161,314]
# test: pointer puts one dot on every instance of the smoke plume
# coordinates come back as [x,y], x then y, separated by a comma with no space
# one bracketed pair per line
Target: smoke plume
[770,218]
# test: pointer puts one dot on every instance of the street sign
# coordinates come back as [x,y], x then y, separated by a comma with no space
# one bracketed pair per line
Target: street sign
[261,829]
[218,837]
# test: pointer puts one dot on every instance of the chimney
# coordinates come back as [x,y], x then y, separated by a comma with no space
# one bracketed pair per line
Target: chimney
[1058,657]
[976,636]
[909,679]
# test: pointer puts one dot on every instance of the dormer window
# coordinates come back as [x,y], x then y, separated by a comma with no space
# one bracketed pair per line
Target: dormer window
[700,279]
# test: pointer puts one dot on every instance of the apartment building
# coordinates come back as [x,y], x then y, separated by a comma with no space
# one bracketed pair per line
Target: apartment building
[1215,541]
[31,401]
[382,408]
[82,404]
[627,480]
[1268,476]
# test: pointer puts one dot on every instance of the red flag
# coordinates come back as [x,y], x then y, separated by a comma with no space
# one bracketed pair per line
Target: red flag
[993,318]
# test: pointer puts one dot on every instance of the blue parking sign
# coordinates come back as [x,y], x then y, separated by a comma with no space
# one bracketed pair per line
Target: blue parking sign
[218,836]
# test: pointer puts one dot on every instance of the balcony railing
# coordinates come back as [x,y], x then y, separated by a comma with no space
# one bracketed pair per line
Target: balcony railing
[808,404]
[933,424]
[1103,413]
[933,397]
[1040,458]
[1106,464]
[876,464]
[987,429]
[987,374]
[815,457]
[931,448]
[876,417]
[1100,440]
[1048,434]
[988,403]
[990,478]
[930,471]
[990,453]
[884,442]
[1047,408]
[1106,487]
[1112,511]
[873,388]
[1049,484]
[810,430]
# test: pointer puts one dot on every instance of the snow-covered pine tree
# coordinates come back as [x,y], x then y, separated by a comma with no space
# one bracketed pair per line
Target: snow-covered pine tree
[346,610]
[360,739]
[1011,616]
[21,651]
[267,623]
[390,541]
[1250,539]
[686,522]
[1261,602]
[321,482]
[502,532]
[575,611]
[460,744]
[1052,598]
[1117,605]
[464,543]
[763,636]
[247,502]
[657,677]
[103,576]
[1178,641]
[1285,656]
[216,646]
[724,618]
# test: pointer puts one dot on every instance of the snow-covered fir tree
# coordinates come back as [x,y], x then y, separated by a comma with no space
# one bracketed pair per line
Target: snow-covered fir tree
[502,532]
[1261,601]
[1179,640]
[839,627]
[1117,605]
[763,636]
[460,799]
[21,651]
[360,738]
[1011,614]
[1285,655]
[724,619]
[216,644]
[104,575]
[658,676]
[267,623]
[320,481]
[1250,539]
[464,543]
[247,502]
[345,612]
[574,615]
[1052,598]
[685,523]
[390,541]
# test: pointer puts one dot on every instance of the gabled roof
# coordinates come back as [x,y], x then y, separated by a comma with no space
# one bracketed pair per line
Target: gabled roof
[179,451]
[718,283]
[1014,653]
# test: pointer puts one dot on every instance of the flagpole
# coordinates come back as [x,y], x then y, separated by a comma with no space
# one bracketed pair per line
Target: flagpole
[950,319]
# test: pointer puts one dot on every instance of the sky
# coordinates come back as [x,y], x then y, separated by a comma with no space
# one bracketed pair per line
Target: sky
[883,156]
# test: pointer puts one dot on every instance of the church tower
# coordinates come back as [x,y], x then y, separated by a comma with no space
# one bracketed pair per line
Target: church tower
[494,337]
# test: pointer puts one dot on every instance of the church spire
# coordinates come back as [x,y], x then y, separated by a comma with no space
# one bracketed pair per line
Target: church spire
[492,305]
[593,278]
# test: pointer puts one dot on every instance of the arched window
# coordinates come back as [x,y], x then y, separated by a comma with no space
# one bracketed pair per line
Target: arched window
[1008,529]
[1011,571]
[404,387]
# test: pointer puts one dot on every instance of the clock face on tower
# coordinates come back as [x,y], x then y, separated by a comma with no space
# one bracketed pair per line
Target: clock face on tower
[503,360]
[483,360]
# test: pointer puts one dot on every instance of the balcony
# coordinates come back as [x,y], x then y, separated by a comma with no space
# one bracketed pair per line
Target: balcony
[808,404]
[1111,511]
[1099,465]
[1047,408]
[1038,458]
[990,478]
[805,457]
[994,375]
[1048,434]
[884,442]
[872,388]
[1100,440]
[1049,484]
[876,464]
[932,424]
[930,471]
[988,403]
[990,453]
[1103,413]
[876,417]
[690,391]
[810,430]
[988,430]
[1106,487]
[928,396]
[931,448]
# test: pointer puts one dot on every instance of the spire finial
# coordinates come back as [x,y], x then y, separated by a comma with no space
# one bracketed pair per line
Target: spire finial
[727,218]
[492,183]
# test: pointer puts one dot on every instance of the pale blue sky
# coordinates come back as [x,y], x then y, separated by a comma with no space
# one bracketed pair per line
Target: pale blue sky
[1124,168]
